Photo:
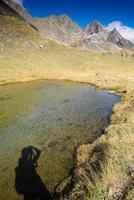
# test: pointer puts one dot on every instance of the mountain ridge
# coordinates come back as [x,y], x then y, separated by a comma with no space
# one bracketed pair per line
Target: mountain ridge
[63,29]
[59,27]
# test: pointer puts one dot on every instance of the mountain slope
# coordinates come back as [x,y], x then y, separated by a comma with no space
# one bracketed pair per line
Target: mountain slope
[60,28]
[63,30]
[116,38]
[94,36]
[7,8]
[16,33]
[10,8]
[94,28]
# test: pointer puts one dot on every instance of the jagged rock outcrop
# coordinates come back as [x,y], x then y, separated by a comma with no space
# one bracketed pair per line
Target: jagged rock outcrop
[94,28]
[116,38]
[97,37]
[94,36]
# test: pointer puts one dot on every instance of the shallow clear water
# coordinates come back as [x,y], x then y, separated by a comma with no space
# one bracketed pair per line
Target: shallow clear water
[53,116]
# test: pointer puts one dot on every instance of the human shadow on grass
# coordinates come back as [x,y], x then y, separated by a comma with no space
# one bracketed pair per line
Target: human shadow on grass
[27,182]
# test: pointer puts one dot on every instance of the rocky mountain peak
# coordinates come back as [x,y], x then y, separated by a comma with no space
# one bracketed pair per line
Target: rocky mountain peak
[59,27]
[64,17]
[115,33]
[94,27]
[116,38]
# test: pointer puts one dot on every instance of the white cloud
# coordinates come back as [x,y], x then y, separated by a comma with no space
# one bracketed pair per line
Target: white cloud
[125,31]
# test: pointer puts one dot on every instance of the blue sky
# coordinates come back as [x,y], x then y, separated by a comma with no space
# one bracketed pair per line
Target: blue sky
[85,11]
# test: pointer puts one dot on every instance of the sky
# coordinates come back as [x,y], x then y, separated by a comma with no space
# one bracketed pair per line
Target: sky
[112,13]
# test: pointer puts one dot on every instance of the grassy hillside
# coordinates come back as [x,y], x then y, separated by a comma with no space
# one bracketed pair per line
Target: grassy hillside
[25,56]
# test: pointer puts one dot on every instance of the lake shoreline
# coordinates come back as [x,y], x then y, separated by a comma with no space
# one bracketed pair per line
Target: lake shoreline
[96,106]
[126,97]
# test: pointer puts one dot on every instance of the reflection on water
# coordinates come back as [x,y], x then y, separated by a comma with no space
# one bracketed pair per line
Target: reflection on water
[52,116]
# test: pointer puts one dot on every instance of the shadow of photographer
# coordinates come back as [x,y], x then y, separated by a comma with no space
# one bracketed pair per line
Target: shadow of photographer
[27,182]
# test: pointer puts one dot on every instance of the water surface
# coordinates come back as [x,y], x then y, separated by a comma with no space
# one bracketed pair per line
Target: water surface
[53,116]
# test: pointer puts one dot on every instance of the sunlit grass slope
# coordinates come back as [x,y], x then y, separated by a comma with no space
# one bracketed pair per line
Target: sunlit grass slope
[25,55]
